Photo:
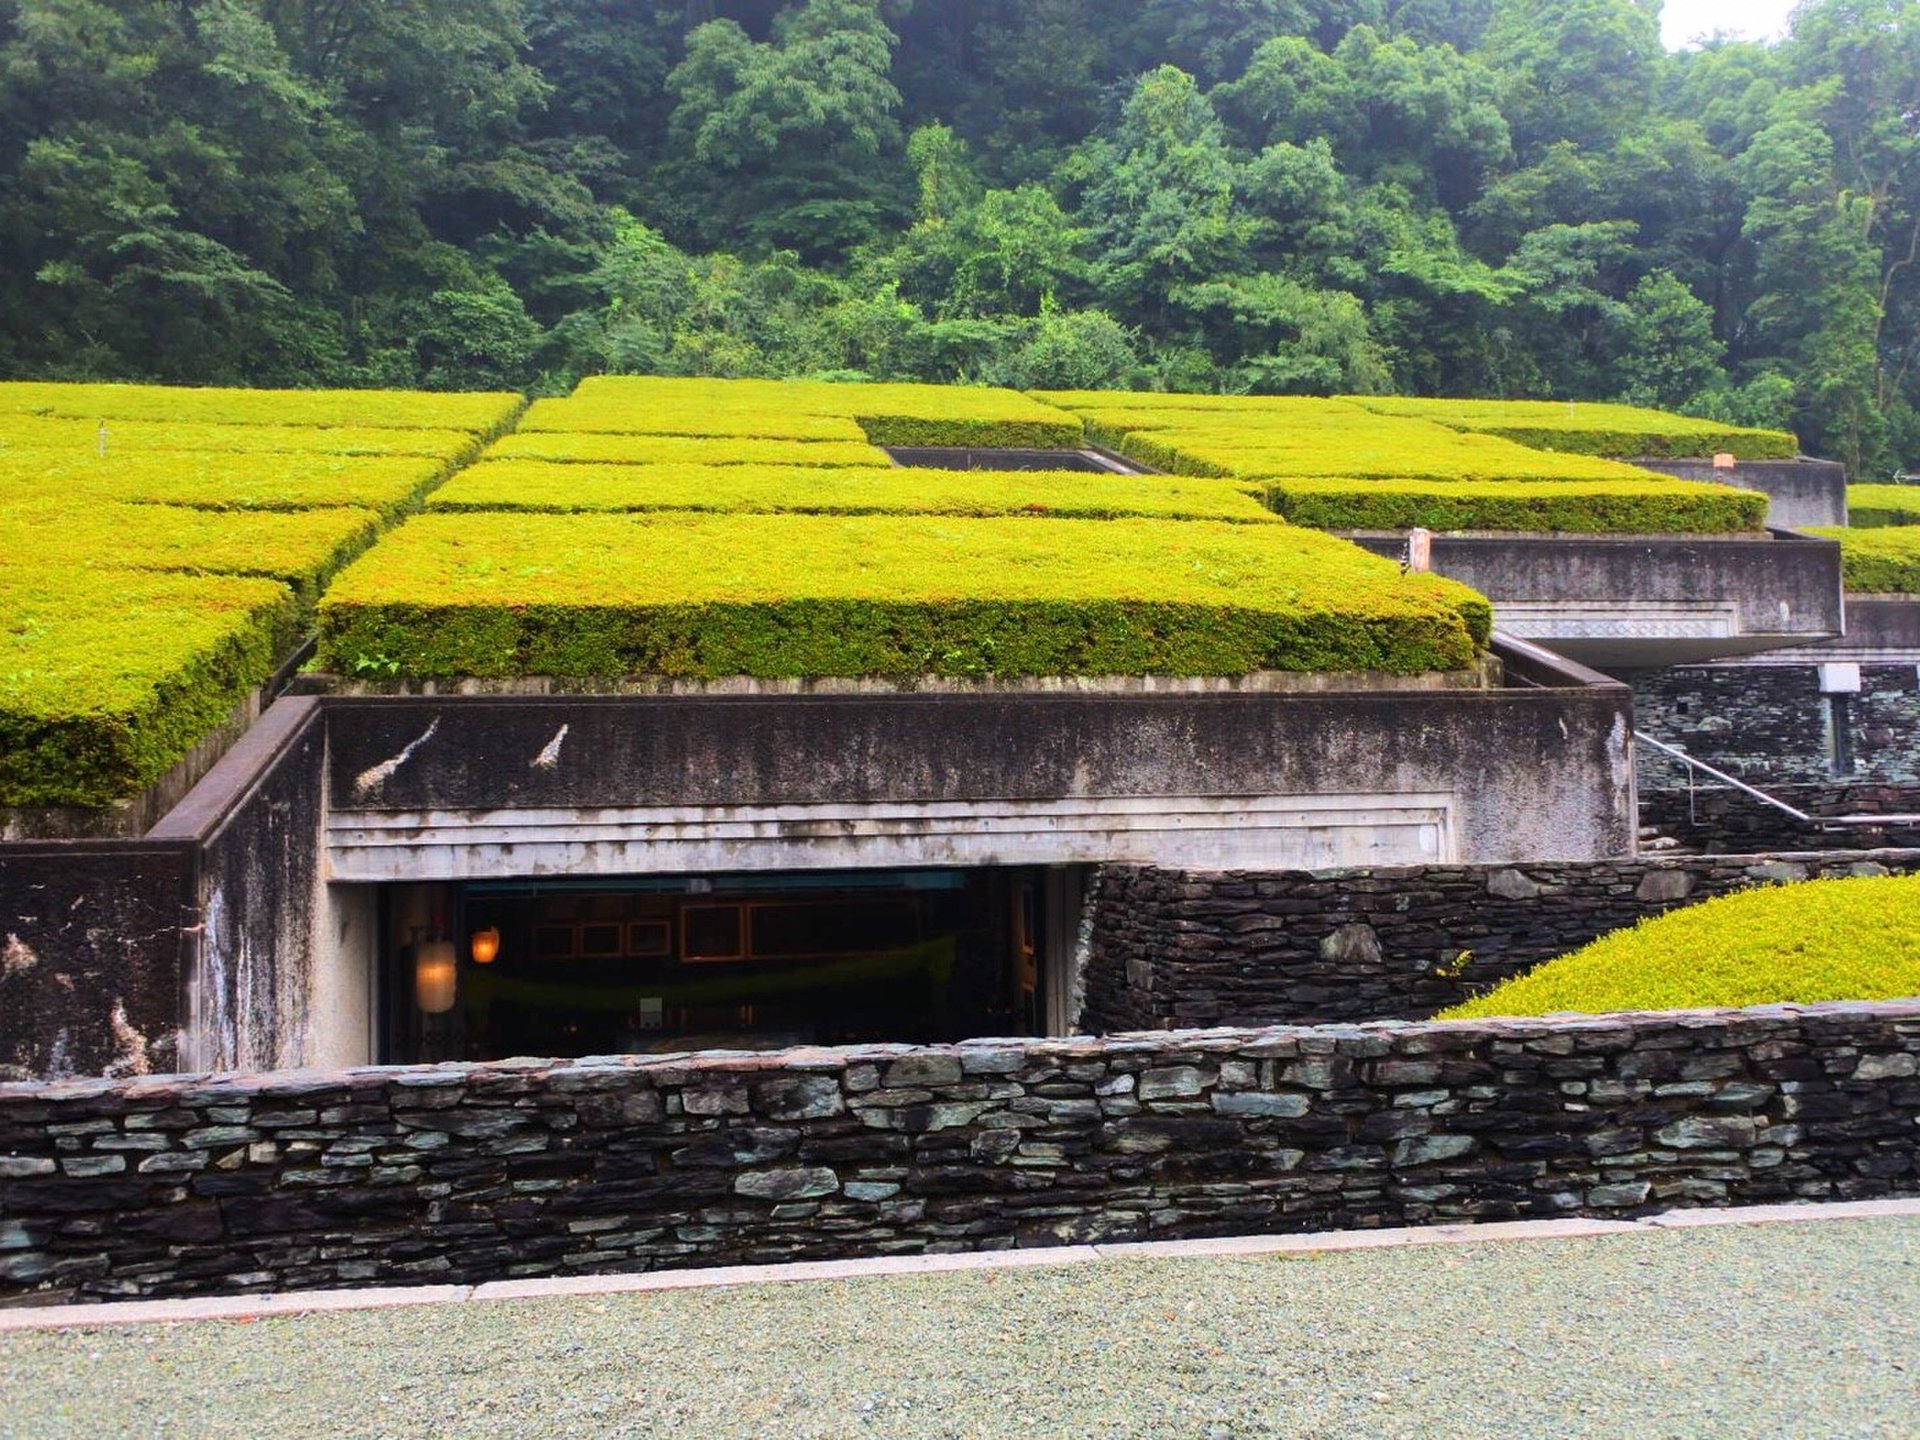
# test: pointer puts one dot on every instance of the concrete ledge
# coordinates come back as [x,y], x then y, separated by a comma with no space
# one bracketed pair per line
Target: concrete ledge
[324,1302]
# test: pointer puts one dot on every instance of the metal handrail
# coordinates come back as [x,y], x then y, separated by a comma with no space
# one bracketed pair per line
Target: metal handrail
[1819,822]
[1705,769]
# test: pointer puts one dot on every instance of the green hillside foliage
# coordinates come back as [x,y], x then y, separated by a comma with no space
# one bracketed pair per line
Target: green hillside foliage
[817,596]
[1872,507]
[1878,562]
[1527,199]
[1856,939]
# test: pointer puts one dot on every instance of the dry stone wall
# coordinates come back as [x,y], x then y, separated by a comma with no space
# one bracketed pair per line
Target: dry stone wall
[462,1173]
[1185,948]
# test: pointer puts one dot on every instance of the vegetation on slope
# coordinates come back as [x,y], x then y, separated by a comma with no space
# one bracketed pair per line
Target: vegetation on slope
[1856,939]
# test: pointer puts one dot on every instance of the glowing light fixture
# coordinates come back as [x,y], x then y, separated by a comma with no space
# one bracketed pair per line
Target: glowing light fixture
[485,945]
[436,976]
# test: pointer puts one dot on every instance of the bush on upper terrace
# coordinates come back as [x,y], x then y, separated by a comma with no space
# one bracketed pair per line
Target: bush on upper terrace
[1878,562]
[1855,939]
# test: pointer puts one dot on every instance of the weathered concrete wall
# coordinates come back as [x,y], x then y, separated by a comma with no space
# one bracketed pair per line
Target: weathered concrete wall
[1771,725]
[1802,492]
[1177,949]
[466,1174]
[93,937]
[1648,600]
[463,786]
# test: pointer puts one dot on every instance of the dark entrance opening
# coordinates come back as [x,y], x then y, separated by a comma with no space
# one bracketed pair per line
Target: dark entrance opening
[967,458]
[495,970]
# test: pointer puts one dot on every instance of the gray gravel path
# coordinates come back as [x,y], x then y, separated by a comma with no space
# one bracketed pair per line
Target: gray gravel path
[1788,1330]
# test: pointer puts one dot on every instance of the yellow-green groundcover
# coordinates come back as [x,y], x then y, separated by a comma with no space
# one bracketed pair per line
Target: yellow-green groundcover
[1853,939]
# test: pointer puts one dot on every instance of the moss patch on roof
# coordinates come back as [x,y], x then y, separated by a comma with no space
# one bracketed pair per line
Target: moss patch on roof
[1855,939]
[108,439]
[895,490]
[812,596]
[1585,428]
[224,482]
[476,413]
[108,677]
[1873,507]
[1877,562]
[563,447]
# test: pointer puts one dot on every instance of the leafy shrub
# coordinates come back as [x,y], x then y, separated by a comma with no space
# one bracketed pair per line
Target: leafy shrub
[484,415]
[1639,507]
[1856,939]
[107,677]
[1591,429]
[681,450]
[1871,507]
[1878,562]
[815,596]
[537,486]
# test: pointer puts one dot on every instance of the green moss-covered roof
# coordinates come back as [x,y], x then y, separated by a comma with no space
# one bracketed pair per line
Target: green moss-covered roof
[1877,561]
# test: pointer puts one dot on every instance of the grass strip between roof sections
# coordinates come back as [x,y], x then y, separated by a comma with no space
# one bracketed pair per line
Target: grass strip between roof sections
[770,490]
[1854,939]
[812,596]
[1640,507]
[108,677]
[477,414]
[1586,428]
[223,482]
[1874,507]
[596,449]
[1877,562]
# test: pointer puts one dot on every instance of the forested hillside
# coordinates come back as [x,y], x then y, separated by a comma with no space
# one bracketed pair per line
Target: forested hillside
[1487,197]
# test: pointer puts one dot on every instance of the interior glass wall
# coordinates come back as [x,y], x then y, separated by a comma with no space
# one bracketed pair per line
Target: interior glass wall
[661,964]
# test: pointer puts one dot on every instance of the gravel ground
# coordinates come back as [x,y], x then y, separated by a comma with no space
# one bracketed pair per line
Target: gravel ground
[1787,1330]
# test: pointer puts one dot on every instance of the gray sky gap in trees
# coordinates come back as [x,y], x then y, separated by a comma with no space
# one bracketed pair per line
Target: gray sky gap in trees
[1682,22]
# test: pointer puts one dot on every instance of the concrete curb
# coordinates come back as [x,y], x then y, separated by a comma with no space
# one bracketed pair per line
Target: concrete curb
[318,1302]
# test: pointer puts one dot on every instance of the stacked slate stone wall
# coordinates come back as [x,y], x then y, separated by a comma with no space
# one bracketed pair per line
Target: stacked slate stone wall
[1770,725]
[469,1173]
[1718,821]
[1183,948]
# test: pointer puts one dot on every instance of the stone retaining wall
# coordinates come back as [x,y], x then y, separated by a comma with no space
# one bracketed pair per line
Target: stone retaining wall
[1184,948]
[463,1173]
[1717,820]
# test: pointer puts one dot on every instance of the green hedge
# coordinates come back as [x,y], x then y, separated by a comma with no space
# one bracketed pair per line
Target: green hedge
[1594,429]
[1872,507]
[225,482]
[109,677]
[682,450]
[1878,562]
[1637,507]
[1788,944]
[477,414]
[768,490]
[811,596]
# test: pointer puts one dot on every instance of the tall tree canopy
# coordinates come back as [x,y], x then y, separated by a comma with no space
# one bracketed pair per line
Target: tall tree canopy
[1501,197]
